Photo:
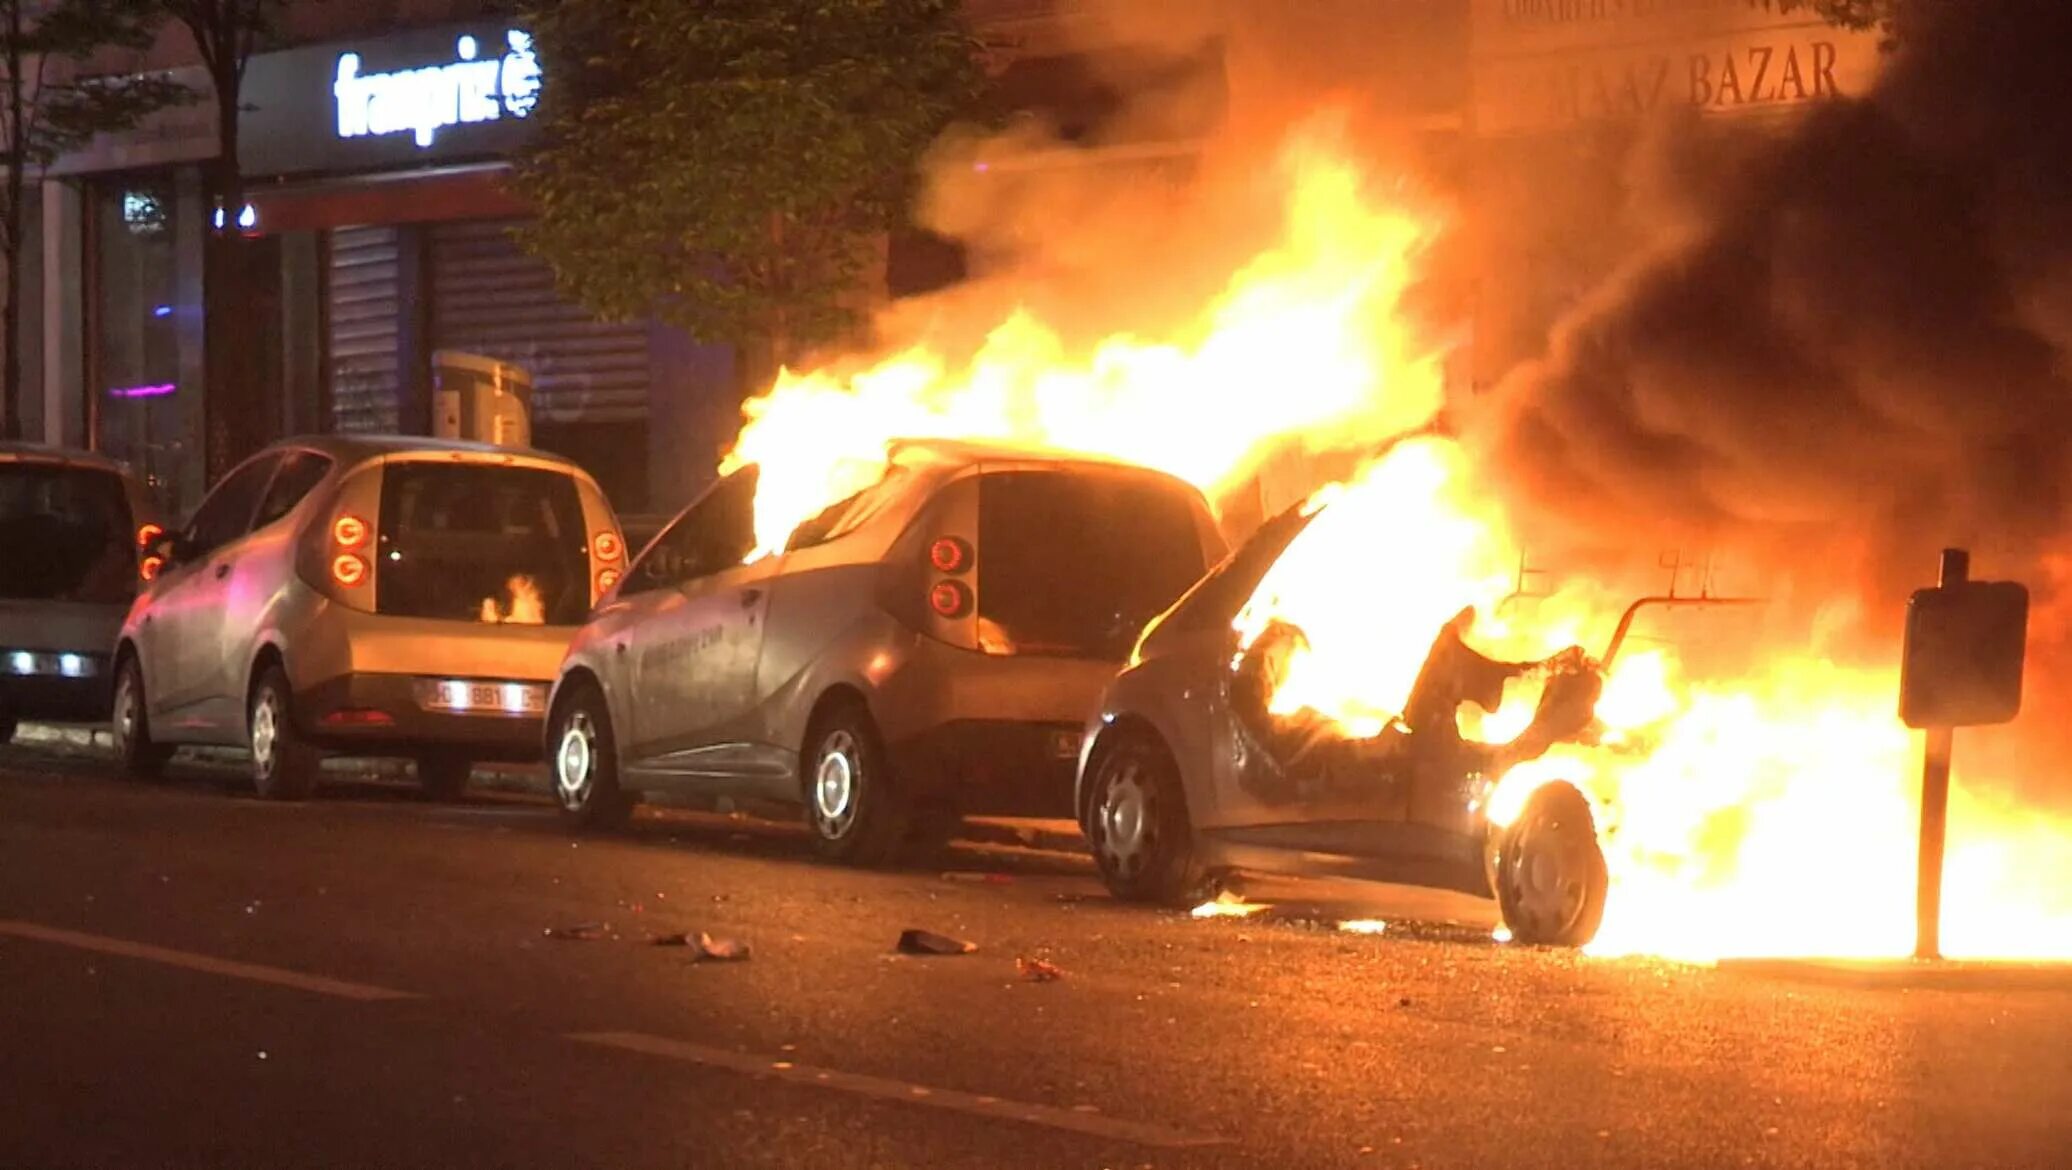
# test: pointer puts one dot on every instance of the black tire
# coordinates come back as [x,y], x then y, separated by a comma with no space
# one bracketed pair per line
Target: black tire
[130,724]
[1138,825]
[855,810]
[8,726]
[444,775]
[284,765]
[583,763]
[1551,879]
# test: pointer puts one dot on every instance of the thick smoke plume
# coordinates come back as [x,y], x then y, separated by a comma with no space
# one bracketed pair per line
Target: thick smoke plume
[1862,355]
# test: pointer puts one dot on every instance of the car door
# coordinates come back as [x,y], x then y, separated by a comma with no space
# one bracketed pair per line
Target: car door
[693,647]
[183,628]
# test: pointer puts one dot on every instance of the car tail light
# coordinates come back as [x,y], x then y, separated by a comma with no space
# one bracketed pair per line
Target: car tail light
[148,534]
[349,531]
[607,546]
[950,599]
[606,580]
[949,555]
[348,570]
[148,568]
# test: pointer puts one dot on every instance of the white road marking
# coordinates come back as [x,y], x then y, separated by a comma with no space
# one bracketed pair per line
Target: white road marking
[1079,1120]
[278,976]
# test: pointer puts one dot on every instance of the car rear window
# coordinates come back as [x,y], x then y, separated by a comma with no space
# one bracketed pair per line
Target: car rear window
[1075,564]
[463,542]
[66,535]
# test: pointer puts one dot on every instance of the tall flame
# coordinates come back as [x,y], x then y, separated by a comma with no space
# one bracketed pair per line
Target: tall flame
[1761,810]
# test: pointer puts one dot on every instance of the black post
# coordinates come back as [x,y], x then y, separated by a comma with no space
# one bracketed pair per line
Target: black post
[1935,803]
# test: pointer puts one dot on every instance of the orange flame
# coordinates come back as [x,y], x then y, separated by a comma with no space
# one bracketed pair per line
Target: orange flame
[525,608]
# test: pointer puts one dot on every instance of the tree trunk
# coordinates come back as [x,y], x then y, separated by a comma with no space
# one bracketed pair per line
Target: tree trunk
[11,235]
[234,413]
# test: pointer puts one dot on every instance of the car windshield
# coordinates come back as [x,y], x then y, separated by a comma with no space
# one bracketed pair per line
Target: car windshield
[78,522]
[465,542]
[1075,564]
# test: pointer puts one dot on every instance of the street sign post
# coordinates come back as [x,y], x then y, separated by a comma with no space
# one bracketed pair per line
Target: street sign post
[1966,642]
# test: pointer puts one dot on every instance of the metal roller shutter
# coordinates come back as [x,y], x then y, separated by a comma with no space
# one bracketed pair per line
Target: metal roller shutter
[363,303]
[489,297]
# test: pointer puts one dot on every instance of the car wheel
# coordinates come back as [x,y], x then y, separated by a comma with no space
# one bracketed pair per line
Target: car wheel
[130,724]
[854,808]
[443,775]
[585,764]
[284,765]
[1137,822]
[1551,879]
[8,726]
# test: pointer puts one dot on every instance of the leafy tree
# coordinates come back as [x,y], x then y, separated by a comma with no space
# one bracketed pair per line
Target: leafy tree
[729,165]
[225,32]
[51,106]
[1861,15]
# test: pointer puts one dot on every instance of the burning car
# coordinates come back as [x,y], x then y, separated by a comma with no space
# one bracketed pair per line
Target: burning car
[76,527]
[368,596]
[1190,768]
[926,648]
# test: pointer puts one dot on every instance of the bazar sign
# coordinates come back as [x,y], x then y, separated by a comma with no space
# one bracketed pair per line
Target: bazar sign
[1729,78]
[470,89]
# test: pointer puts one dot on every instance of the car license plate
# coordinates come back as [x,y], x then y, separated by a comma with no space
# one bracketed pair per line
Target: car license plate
[483,698]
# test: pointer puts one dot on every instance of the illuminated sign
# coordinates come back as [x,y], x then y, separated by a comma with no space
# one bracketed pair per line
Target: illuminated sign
[468,91]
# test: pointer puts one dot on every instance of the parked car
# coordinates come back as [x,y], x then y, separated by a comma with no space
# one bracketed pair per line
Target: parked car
[73,530]
[925,649]
[1188,773]
[366,596]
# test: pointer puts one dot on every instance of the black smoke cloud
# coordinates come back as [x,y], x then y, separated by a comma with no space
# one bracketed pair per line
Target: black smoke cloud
[1863,353]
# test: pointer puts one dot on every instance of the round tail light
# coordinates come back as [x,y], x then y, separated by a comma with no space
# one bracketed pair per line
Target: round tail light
[607,579]
[349,531]
[147,534]
[949,555]
[348,570]
[607,546]
[950,599]
[148,568]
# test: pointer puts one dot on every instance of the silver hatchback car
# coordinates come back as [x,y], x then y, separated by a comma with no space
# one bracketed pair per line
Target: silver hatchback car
[74,530]
[928,648]
[366,596]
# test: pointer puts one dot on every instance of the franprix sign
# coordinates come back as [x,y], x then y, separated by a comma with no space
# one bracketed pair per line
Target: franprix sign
[422,96]
[468,90]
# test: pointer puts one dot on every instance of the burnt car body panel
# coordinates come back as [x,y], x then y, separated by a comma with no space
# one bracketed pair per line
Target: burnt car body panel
[753,651]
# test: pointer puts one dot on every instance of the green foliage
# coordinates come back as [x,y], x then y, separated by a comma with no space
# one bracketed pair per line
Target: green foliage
[1861,15]
[728,164]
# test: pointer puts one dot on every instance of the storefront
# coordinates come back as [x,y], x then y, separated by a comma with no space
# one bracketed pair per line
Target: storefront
[380,166]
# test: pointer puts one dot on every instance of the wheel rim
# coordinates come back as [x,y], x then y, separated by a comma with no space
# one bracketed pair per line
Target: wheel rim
[1127,827]
[1549,875]
[835,780]
[575,761]
[127,715]
[266,732]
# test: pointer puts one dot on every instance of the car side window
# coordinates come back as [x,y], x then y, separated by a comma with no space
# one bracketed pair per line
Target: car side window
[226,513]
[717,532]
[300,472]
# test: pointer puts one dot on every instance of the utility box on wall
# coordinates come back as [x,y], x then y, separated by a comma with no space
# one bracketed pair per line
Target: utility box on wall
[481,398]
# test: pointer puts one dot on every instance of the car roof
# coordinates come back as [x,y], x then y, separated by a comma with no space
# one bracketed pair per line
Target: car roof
[960,452]
[353,448]
[11,451]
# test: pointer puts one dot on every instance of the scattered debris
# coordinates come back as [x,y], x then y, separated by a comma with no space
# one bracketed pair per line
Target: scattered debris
[925,942]
[1038,970]
[679,939]
[1364,926]
[580,932]
[712,949]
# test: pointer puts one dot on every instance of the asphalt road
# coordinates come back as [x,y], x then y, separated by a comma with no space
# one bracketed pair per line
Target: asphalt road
[189,978]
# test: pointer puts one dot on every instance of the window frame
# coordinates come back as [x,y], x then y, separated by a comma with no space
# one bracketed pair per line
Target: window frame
[259,517]
[270,460]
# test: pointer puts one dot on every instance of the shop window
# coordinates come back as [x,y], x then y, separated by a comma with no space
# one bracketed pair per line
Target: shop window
[138,407]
